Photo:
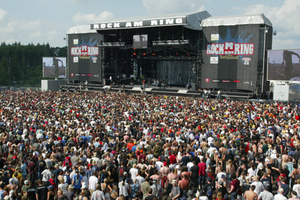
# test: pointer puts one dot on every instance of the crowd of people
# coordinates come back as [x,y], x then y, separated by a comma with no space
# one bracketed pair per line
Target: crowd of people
[95,146]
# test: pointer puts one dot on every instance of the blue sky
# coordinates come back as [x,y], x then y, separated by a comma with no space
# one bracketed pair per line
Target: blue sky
[44,21]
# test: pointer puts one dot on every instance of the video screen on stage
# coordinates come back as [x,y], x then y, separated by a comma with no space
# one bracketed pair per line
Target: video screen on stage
[54,67]
[231,56]
[85,56]
[284,65]
[140,41]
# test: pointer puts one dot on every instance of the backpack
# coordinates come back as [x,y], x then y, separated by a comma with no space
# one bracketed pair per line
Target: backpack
[209,191]
[102,177]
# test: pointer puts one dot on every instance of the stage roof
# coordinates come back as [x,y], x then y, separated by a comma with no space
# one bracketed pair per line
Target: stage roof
[236,20]
[190,20]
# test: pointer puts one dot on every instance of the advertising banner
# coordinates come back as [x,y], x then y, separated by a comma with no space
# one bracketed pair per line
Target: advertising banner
[284,65]
[54,67]
[85,57]
[230,57]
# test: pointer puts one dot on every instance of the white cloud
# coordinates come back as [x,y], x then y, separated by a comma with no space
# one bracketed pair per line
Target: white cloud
[2,14]
[172,6]
[51,34]
[36,34]
[285,21]
[31,25]
[81,18]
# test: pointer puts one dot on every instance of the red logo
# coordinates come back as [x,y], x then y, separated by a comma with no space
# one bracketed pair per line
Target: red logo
[72,74]
[207,80]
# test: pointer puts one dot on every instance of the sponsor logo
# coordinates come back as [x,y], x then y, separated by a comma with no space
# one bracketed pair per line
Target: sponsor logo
[89,74]
[226,81]
[77,74]
[94,59]
[75,41]
[230,48]
[83,74]
[214,60]
[214,37]
[215,81]
[247,82]
[207,80]
[246,61]
[236,81]
[75,59]
[96,75]
[72,74]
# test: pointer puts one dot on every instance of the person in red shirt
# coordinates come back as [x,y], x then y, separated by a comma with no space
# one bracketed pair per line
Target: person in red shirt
[130,145]
[172,158]
[202,168]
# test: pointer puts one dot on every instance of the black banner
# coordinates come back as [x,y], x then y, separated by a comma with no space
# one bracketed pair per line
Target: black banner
[230,57]
[84,57]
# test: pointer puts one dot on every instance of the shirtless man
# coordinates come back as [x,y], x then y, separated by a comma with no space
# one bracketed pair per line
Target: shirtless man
[184,183]
[250,194]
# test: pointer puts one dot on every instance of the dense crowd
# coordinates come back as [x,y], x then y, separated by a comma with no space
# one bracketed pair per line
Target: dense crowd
[67,146]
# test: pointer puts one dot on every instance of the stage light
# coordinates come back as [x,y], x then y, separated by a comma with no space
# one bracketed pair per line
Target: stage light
[144,54]
[134,54]
[153,54]
[176,54]
[188,54]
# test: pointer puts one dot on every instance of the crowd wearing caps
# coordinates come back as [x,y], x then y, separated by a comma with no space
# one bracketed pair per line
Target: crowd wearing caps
[84,145]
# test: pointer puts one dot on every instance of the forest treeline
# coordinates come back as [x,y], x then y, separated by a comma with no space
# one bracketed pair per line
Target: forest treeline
[21,65]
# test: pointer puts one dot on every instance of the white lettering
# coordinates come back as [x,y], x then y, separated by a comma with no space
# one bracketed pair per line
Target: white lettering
[221,49]
[103,25]
[154,22]
[128,24]
[208,49]
[251,49]
[116,25]
[179,21]
[169,21]
[76,51]
[228,45]
[96,25]
[138,23]
[109,25]
[161,22]
[236,49]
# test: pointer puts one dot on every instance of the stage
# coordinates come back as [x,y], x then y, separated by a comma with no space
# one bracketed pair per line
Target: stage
[153,90]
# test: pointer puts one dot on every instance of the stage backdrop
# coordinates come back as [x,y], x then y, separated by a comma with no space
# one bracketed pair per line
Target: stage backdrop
[84,57]
[230,57]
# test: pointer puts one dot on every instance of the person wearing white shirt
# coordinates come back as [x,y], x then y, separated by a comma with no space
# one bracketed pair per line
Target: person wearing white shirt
[133,171]
[280,196]
[158,164]
[258,186]
[296,188]
[189,165]
[93,181]
[252,171]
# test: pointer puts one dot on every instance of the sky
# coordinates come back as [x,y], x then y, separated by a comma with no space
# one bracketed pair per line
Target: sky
[45,21]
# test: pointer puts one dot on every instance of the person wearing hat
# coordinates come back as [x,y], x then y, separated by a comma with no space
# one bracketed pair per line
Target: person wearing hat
[70,193]
[208,188]
[84,189]
[157,189]
[258,185]
[175,192]
[50,194]
[98,194]
[266,194]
